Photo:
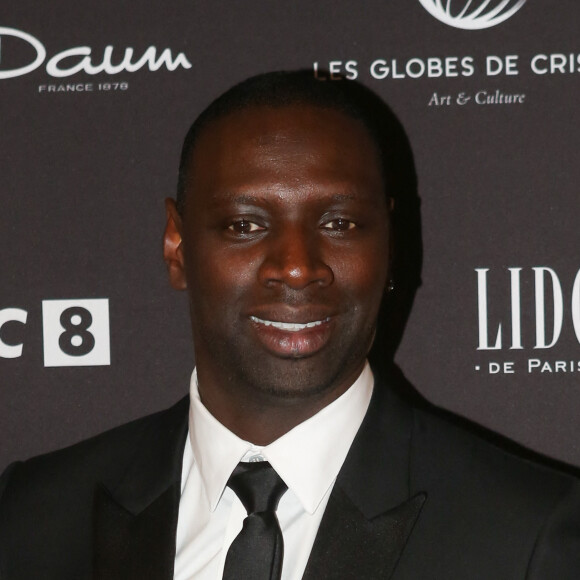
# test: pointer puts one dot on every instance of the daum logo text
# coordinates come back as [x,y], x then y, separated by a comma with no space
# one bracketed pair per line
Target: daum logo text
[472,14]
[82,59]
[552,303]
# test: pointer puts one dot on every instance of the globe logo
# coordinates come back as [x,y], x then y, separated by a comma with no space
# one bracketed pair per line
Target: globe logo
[472,14]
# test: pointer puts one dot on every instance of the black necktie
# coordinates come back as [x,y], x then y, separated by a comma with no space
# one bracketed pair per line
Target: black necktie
[256,552]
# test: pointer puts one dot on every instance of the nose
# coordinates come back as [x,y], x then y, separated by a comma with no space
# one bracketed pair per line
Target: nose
[294,258]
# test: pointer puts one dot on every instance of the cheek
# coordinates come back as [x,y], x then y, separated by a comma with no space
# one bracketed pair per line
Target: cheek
[364,274]
[220,275]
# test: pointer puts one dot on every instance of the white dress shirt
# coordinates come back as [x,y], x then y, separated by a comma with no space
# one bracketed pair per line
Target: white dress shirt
[308,459]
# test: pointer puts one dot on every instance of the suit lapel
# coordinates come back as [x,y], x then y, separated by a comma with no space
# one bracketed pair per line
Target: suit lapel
[349,546]
[135,546]
[371,513]
[135,517]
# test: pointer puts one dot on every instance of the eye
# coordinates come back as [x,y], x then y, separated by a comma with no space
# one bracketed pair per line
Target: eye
[244,227]
[339,225]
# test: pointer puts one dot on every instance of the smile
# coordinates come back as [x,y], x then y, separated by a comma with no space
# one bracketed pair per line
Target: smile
[288,326]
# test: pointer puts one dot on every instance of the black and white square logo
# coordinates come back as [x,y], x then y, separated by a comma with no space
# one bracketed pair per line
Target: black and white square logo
[76,332]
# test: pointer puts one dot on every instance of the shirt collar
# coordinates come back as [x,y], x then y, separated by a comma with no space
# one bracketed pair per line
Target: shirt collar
[308,457]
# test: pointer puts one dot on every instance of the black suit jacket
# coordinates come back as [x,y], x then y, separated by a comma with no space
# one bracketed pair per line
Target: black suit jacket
[417,498]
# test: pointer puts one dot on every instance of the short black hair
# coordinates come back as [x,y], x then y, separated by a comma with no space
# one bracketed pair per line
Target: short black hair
[302,87]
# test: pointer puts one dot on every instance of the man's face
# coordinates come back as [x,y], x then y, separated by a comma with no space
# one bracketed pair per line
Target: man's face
[285,250]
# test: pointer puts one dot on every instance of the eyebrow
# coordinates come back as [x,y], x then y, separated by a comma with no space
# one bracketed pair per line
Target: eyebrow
[249,199]
[242,198]
[343,197]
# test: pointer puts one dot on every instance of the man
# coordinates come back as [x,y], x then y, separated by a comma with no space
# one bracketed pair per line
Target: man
[281,234]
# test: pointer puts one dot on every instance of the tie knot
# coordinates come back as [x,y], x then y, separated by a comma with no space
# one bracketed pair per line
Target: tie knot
[258,486]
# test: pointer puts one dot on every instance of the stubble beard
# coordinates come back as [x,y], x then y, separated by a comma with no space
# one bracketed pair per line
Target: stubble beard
[243,368]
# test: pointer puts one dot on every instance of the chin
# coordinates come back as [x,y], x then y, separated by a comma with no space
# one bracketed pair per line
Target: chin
[299,378]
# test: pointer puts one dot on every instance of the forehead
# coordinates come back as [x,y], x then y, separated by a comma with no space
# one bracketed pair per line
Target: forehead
[289,143]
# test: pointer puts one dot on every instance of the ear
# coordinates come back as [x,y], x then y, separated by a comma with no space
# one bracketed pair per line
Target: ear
[173,247]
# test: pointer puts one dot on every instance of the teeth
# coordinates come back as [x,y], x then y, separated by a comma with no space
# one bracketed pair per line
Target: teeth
[289,326]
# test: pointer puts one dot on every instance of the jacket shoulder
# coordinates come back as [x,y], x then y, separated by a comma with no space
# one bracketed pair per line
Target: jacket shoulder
[46,506]
[469,454]
[508,509]
[107,453]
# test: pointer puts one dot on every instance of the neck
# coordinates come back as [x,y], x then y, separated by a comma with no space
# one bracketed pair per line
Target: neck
[263,417]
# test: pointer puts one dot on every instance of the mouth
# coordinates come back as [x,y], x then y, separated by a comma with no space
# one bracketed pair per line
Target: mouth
[289,326]
[293,339]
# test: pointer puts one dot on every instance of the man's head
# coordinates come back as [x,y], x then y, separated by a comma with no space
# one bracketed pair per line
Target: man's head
[281,235]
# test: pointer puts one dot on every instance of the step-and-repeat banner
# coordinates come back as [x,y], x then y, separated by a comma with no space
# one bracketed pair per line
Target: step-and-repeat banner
[95,100]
